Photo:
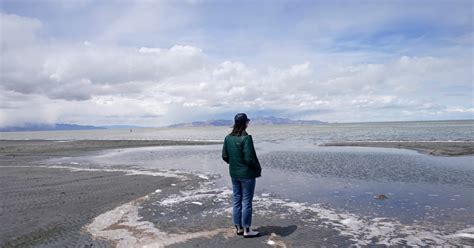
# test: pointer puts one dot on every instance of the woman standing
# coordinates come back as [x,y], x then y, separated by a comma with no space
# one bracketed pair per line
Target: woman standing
[238,151]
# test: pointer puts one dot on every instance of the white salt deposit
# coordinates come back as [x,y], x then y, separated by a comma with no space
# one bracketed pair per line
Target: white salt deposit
[194,195]
[362,231]
[175,174]
[388,231]
[125,228]
[467,233]
[204,177]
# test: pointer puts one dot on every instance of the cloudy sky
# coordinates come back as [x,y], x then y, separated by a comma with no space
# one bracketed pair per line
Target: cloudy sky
[155,63]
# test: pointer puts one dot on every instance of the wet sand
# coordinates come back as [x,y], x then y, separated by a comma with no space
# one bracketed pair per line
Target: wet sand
[436,148]
[42,206]
[49,207]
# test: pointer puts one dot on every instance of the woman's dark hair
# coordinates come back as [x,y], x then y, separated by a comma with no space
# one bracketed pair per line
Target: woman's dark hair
[239,129]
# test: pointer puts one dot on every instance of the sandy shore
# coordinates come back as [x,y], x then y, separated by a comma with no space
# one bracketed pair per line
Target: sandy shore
[49,206]
[437,148]
[43,206]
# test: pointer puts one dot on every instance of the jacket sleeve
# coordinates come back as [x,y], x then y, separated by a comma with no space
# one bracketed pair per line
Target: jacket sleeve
[250,157]
[225,153]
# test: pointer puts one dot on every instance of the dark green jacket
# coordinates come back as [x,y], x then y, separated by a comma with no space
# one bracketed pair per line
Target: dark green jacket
[239,153]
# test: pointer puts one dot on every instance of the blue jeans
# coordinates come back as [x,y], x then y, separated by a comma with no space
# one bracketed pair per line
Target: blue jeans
[243,190]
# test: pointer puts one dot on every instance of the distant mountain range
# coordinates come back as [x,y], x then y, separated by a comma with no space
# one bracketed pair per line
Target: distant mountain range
[256,120]
[61,126]
[58,127]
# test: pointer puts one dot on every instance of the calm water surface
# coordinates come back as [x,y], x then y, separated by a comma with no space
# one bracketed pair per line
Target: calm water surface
[300,135]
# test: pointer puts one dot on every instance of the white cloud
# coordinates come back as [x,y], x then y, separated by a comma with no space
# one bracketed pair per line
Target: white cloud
[460,110]
[80,71]
[18,31]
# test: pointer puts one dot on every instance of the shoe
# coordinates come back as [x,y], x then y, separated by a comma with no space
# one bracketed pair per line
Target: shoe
[248,233]
[239,230]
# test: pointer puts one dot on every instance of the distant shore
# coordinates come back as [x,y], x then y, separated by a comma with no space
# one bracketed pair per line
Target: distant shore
[436,148]
[54,148]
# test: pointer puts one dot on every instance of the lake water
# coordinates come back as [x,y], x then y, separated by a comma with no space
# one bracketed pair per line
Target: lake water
[298,135]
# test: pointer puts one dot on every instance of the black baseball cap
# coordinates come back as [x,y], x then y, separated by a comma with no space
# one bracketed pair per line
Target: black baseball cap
[241,118]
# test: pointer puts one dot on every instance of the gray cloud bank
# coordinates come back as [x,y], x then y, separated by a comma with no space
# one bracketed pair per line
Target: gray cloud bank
[47,80]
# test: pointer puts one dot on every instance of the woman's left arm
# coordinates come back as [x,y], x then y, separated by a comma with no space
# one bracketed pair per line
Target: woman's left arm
[225,154]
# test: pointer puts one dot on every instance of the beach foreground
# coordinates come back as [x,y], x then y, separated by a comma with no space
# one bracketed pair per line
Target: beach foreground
[72,204]
[49,207]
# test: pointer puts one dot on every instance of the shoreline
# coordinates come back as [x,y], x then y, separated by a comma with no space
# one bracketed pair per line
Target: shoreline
[33,150]
[39,146]
[435,148]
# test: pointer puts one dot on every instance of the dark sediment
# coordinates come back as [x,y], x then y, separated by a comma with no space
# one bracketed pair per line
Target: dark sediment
[42,206]
[436,148]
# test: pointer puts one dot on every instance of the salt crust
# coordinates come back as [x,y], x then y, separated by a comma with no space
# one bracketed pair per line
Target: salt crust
[134,232]
[125,228]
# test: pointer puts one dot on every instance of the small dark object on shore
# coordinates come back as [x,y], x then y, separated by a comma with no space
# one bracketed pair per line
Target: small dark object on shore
[381,197]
